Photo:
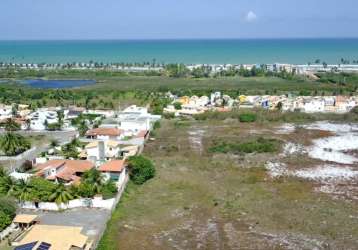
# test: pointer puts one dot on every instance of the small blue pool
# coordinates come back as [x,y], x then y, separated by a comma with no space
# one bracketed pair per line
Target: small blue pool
[57,84]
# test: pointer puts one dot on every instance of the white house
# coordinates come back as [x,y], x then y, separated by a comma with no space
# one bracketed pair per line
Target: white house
[5,111]
[102,150]
[134,119]
[314,105]
[135,124]
[40,117]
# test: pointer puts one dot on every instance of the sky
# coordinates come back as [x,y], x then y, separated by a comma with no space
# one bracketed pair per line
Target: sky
[176,19]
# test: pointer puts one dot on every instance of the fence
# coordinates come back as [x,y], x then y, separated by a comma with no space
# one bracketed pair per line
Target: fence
[18,157]
[96,202]
[7,231]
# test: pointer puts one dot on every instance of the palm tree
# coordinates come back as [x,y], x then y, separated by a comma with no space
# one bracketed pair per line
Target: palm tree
[54,143]
[23,191]
[61,195]
[28,124]
[82,128]
[12,144]
[94,178]
[7,185]
[60,117]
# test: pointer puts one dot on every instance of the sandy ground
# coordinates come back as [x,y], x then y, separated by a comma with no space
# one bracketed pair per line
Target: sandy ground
[334,167]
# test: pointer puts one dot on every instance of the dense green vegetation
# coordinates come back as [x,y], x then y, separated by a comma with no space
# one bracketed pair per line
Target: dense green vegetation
[12,144]
[141,169]
[7,212]
[114,88]
[38,189]
[264,116]
[247,117]
[259,145]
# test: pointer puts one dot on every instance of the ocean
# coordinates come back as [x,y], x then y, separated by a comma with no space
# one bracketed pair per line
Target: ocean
[235,51]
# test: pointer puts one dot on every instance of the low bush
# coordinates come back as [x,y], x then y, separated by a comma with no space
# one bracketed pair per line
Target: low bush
[247,117]
[109,190]
[260,145]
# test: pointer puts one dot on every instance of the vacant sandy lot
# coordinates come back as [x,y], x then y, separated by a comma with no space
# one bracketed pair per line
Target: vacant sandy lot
[201,200]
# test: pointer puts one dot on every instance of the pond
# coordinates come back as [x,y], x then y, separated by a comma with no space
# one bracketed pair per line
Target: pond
[57,84]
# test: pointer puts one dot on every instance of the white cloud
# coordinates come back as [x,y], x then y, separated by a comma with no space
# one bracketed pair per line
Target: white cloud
[250,17]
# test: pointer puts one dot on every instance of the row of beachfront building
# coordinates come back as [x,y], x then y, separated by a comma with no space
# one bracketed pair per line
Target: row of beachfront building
[216,101]
[213,68]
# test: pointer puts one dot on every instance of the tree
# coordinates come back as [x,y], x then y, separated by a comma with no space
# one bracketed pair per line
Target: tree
[82,128]
[13,144]
[14,109]
[279,106]
[61,195]
[23,191]
[28,124]
[141,169]
[7,185]
[11,125]
[41,189]
[176,70]
[95,178]
[46,124]
[177,105]
[54,143]
[70,151]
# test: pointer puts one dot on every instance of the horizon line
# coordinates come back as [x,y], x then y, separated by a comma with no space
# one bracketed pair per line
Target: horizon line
[178,39]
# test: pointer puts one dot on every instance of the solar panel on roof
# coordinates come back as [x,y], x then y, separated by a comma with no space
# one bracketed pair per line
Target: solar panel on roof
[44,246]
[27,246]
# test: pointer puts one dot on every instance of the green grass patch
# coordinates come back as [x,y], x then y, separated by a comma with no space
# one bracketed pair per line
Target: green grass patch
[260,145]
[247,117]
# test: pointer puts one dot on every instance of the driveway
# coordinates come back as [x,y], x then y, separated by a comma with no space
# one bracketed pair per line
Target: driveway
[92,220]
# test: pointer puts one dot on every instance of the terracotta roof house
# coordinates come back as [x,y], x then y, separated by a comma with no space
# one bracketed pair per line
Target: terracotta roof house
[114,170]
[66,171]
[104,133]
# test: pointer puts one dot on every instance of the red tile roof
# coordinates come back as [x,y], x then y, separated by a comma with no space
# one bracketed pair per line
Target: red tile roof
[113,166]
[104,131]
[68,170]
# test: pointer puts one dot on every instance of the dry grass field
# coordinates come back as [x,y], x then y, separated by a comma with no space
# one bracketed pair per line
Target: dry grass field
[204,200]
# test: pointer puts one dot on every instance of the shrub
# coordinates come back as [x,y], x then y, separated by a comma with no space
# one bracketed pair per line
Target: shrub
[109,190]
[177,105]
[86,190]
[168,115]
[247,117]
[260,145]
[156,125]
[141,169]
